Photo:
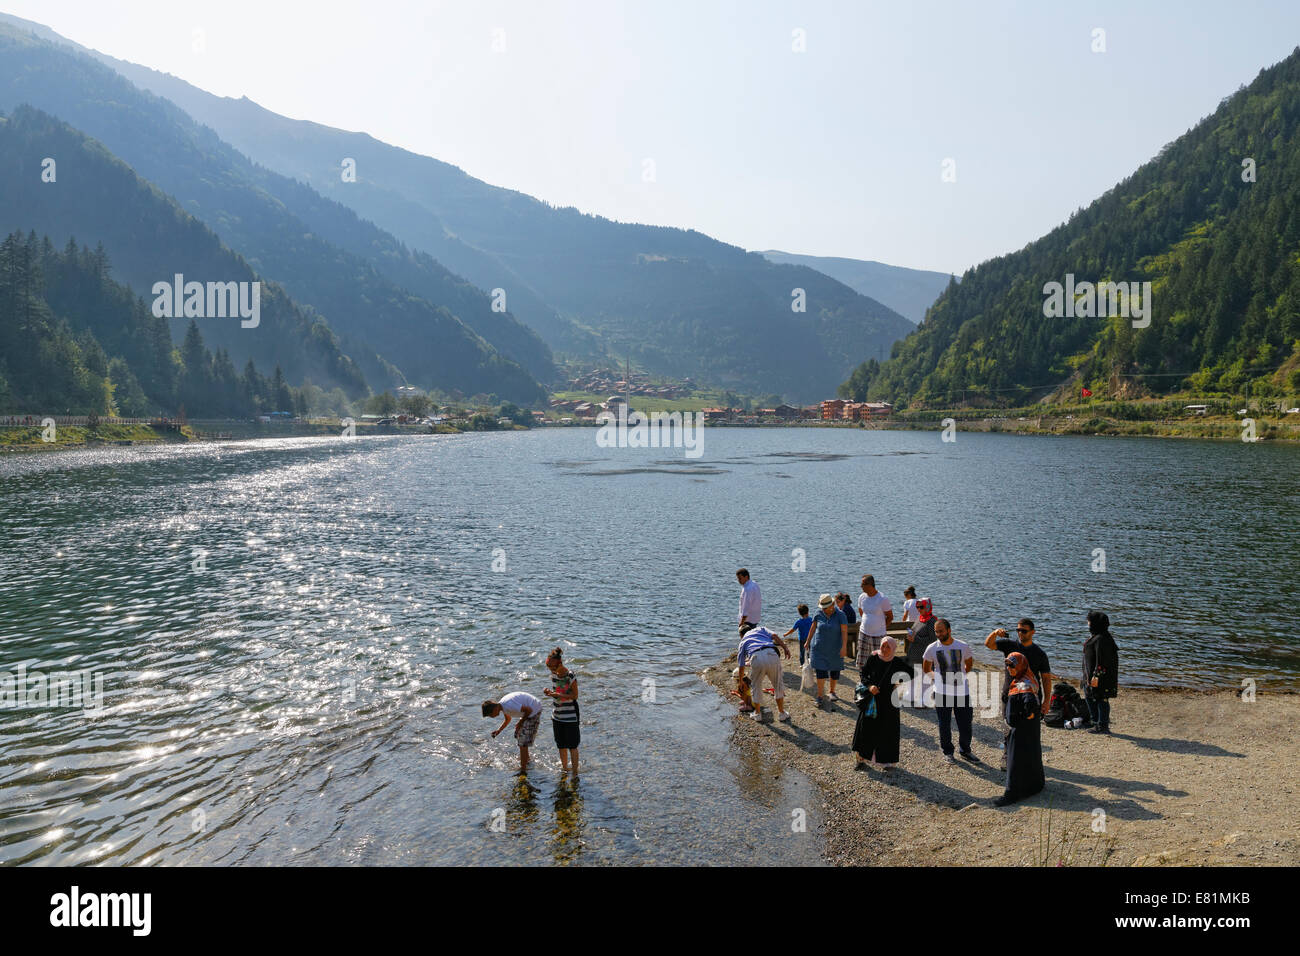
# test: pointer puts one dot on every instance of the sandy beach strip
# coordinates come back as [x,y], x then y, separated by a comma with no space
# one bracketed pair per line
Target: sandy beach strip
[1186,778]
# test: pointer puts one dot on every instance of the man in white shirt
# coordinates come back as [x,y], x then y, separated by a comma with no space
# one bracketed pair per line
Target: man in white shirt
[751,602]
[875,614]
[953,660]
[529,711]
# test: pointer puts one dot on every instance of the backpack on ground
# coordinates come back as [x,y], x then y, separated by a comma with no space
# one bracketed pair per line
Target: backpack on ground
[1066,705]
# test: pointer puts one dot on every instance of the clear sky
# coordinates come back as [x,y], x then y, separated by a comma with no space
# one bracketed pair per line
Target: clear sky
[836,150]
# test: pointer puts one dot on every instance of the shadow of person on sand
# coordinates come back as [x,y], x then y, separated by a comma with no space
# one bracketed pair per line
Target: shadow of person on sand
[1111,784]
[1175,746]
[1067,798]
[1120,798]
[926,789]
[806,740]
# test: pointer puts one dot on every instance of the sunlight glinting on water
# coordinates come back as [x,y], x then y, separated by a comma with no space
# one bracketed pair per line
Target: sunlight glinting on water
[294,636]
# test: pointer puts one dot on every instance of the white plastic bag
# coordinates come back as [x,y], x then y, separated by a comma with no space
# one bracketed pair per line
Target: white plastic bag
[808,681]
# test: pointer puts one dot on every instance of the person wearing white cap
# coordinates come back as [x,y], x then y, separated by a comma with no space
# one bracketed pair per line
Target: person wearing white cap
[830,639]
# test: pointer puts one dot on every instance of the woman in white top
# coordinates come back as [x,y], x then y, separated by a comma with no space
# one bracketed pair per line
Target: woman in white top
[909,605]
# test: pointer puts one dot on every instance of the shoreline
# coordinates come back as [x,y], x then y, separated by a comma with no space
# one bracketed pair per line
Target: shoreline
[1211,431]
[78,436]
[1187,778]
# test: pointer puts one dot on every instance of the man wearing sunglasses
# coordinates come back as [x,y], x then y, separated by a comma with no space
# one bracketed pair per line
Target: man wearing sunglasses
[999,640]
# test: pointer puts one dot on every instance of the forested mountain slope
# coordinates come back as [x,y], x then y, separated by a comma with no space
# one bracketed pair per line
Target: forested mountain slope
[1213,223]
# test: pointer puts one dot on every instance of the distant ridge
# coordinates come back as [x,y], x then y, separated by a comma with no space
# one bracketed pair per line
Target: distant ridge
[398,314]
[678,302]
[909,292]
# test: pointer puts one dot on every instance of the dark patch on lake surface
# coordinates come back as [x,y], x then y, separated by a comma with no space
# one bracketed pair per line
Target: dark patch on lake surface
[698,470]
[807,455]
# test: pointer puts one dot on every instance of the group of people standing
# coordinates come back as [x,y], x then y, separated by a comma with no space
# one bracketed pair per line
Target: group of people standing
[931,654]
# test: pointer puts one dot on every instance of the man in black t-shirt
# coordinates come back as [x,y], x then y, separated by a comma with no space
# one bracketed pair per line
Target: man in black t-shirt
[999,640]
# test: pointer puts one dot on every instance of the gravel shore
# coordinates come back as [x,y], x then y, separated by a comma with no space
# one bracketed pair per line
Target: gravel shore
[1186,778]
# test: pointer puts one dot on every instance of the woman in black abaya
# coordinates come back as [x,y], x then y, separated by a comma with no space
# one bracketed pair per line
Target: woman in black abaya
[1024,744]
[875,737]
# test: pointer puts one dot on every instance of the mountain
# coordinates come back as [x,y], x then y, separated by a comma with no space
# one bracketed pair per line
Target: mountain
[97,199]
[676,301]
[283,230]
[1212,223]
[46,365]
[74,341]
[909,292]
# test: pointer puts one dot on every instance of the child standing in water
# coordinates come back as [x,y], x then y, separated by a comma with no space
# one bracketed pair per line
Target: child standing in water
[564,720]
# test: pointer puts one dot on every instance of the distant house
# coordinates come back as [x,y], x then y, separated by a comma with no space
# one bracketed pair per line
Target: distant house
[786,412]
[584,410]
[877,410]
[833,409]
[716,414]
[1196,409]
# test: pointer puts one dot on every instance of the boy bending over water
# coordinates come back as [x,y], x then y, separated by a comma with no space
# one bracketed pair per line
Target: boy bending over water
[529,711]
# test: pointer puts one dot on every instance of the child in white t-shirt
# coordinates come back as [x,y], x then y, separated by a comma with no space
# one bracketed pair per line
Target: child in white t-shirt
[529,711]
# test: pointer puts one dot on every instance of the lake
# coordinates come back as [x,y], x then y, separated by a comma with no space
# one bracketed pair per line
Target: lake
[294,636]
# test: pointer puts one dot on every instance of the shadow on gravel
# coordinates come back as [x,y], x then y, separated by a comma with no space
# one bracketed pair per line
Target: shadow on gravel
[925,788]
[1175,746]
[1121,797]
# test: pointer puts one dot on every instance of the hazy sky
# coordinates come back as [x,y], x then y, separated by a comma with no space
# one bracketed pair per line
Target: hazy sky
[837,150]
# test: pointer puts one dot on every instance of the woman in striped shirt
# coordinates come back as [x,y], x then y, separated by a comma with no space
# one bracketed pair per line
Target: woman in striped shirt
[564,719]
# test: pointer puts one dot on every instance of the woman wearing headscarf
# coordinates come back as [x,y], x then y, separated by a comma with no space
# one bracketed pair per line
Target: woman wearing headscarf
[875,737]
[1024,743]
[1100,671]
[922,635]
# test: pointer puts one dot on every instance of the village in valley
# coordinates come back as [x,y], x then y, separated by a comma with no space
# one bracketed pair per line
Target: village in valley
[581,401]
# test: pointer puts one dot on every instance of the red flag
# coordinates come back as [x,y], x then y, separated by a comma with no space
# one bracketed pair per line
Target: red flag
[1087,393]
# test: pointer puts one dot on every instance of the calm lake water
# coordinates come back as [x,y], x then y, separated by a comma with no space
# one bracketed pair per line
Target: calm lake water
[294,636]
